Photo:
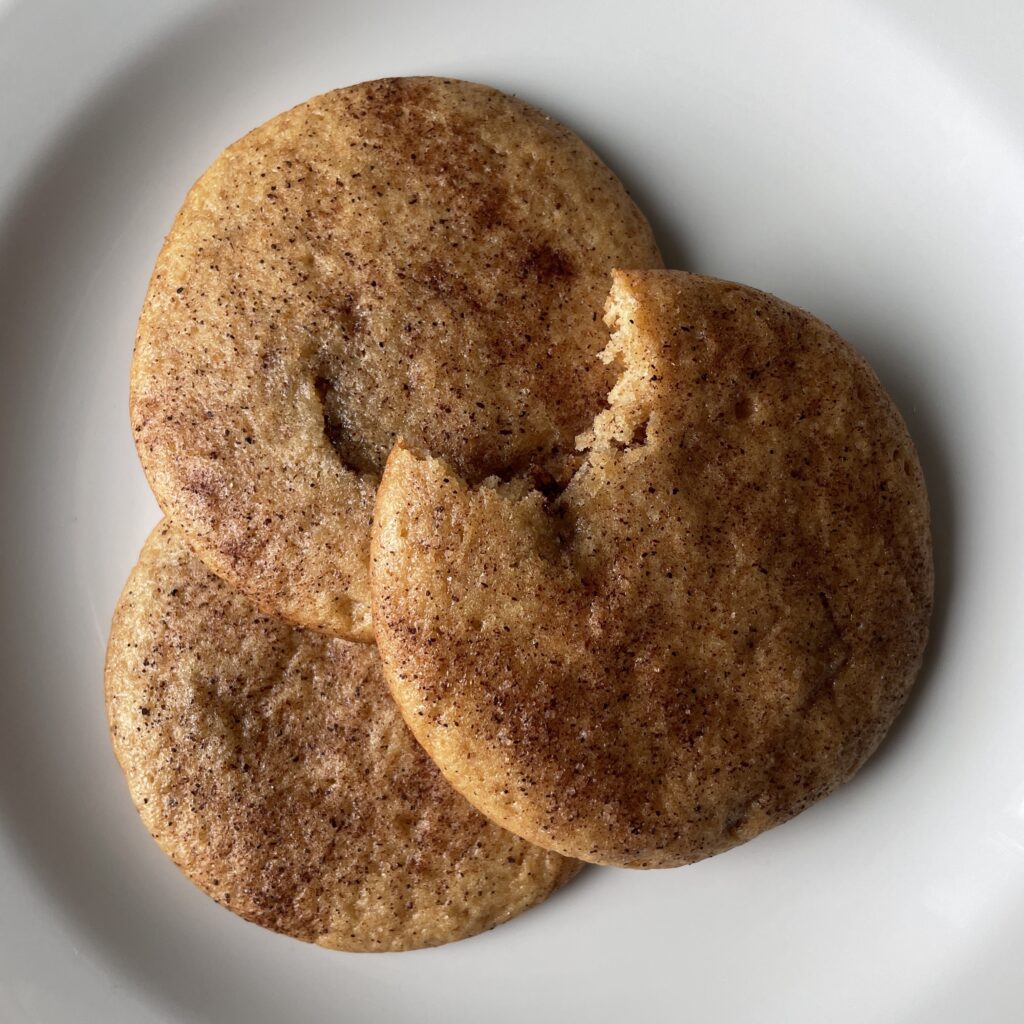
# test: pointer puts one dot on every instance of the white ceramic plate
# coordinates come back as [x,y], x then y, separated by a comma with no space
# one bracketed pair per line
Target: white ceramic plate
[863,160]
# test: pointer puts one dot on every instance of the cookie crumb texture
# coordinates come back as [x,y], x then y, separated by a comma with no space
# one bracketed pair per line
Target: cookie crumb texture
[270,763]
[712,626]
[416,257]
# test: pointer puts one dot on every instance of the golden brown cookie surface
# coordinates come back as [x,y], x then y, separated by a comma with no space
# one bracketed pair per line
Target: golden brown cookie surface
[410,257]
[272,766]
[710,628]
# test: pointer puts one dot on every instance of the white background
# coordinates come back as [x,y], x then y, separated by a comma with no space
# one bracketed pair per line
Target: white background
[864,160]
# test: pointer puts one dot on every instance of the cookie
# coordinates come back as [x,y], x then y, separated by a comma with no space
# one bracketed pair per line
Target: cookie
[711,627]
[417,257]
[272,766]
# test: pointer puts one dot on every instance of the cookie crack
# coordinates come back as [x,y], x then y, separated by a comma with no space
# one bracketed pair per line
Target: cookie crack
[352,454]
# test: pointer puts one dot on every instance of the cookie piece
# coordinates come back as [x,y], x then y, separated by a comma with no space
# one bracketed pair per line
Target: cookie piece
[710,628]
[414,257]
[272,766]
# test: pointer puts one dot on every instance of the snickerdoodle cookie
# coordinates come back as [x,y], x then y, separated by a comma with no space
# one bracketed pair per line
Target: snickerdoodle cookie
[271,764]
[712,626]
[417,258]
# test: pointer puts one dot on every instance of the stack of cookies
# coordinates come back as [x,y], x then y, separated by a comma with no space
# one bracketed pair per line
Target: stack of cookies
[492,547]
